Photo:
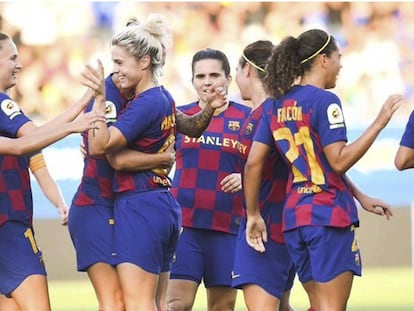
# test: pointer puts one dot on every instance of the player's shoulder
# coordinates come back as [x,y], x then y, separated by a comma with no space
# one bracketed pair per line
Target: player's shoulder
[4,96]
[322,94]
[240,107]
[269,104]
[8,106]
[189,107]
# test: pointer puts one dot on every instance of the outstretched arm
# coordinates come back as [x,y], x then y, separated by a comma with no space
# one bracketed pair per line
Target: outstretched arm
[342,156]
[27,142]
[69,114]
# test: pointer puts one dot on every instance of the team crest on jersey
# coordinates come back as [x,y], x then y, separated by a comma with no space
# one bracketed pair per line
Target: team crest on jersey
[234,125]
[335,116]
[10,108]
[249,128]
[110,111]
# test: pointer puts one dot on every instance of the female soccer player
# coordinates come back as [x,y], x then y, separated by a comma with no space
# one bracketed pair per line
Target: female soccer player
[91,217]
[147,217]
[207,185]
[307,125]
[265,278]
[21,264]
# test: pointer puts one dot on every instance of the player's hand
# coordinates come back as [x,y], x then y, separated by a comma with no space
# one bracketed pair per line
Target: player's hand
[391,105]
[375,206]
[87,121]
[215,97]
[63,214]
[231,183]
[94,79]
[256,233]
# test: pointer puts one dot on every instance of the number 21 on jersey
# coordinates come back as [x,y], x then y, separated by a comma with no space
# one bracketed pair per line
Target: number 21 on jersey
[301,138]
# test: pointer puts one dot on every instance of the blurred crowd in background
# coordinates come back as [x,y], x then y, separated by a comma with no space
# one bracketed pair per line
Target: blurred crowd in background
[57,38]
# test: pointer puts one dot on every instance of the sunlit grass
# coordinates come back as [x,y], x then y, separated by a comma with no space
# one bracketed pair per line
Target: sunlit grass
[379,289]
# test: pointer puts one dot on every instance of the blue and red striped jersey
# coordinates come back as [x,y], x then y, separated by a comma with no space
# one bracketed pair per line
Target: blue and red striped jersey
[148,124]
[202,163]
[16,203]
[301,124]
[96,182]
[407,140]
[274,177]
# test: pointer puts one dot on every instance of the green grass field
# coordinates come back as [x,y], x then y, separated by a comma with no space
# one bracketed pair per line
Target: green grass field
[380,289]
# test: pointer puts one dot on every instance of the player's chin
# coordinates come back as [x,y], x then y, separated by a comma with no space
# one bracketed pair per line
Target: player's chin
[330,84]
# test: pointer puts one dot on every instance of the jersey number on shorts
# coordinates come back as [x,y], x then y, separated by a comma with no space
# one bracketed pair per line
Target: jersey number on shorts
[29,235]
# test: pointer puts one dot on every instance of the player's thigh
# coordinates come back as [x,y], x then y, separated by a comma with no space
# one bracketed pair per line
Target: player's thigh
[334,294]
[32,294]
[133,277]
[258,299]
[221,298]
[181,294]
[8,304]
[105,281]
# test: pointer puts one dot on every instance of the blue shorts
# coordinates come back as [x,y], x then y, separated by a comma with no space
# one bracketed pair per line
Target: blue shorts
[322,253]
[204,255]
[92,232]
[147,226]
[20,256]
[272,270]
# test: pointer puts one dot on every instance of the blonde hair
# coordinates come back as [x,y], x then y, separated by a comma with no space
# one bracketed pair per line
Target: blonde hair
[148,38]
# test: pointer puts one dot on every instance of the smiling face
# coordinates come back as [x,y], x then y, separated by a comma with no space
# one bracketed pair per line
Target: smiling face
[129,71]
[208,73]
[9,64]
[333,68]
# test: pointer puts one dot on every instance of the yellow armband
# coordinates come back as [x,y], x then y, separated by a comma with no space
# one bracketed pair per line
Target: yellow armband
[37,161]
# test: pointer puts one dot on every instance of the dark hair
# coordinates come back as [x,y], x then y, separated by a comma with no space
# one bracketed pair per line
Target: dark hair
[258,53]
[211,54]
[293,57]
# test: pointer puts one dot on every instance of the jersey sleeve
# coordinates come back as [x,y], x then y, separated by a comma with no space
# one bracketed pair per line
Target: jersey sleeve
[329,121]
[264,132]
[11,117]
[135,119]
[407,140]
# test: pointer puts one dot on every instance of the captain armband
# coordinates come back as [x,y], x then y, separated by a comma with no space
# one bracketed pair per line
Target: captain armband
[37,161]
